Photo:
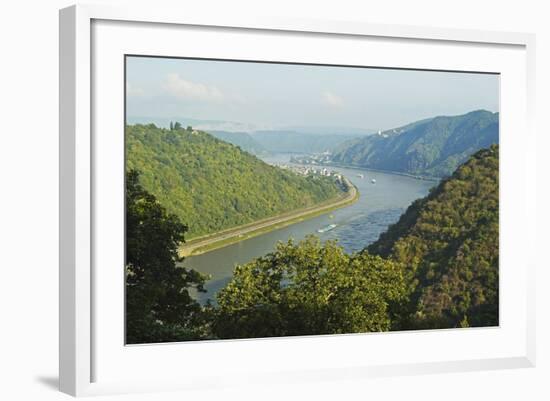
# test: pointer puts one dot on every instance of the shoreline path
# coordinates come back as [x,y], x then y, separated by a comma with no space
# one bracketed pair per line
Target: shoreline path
[240,233]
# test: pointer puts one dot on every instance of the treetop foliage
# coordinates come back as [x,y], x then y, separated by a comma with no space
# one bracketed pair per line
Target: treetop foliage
[308,288]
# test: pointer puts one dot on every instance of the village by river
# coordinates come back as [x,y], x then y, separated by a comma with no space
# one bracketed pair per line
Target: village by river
[383,198]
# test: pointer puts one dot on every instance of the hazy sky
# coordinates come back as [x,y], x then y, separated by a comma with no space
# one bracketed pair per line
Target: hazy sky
[278,95]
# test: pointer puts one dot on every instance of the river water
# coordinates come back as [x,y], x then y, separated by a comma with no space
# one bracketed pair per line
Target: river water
[379,205]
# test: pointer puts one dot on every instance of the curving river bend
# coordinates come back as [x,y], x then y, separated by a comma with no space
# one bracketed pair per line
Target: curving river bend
[357,225]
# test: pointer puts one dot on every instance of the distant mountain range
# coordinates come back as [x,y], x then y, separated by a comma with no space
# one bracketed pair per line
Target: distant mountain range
[235,126]
[264,142]
[243,140]
[283,141]
[258,140]
[432,147]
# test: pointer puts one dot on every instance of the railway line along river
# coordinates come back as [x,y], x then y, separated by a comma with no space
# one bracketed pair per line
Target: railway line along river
[356,226]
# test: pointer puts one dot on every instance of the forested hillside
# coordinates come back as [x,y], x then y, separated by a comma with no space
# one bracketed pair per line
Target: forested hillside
[212,185]
[448,246]
[434,147]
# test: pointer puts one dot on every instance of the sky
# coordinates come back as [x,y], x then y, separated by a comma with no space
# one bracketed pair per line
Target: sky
[270,96]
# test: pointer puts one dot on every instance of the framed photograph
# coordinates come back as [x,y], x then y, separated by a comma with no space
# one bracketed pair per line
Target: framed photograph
[277,200]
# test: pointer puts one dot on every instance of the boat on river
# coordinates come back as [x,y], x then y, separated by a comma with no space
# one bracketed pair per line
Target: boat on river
[373,181]
[326,228]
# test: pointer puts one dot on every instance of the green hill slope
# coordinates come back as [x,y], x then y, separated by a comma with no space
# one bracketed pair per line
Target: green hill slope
[448,244]
[434,147]
[212,185]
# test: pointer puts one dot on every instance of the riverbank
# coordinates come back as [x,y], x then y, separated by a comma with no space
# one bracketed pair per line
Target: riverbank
[236,234]
[417,177]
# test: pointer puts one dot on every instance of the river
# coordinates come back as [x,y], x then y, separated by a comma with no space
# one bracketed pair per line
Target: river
[379,205]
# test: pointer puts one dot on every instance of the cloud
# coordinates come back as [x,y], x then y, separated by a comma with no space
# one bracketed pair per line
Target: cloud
[132,90]
[184,89]
[332,100]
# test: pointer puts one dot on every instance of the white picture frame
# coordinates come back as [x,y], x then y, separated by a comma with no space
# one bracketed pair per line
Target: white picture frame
[83,349]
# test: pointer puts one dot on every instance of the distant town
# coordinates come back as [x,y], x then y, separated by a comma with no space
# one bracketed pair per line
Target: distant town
[306,170]
[316,158]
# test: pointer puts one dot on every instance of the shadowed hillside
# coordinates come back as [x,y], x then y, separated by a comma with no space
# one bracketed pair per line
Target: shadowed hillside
[448,246]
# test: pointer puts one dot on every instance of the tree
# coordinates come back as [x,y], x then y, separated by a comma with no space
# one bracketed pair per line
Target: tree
[306,289]
[177,125]
[159,307]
